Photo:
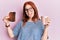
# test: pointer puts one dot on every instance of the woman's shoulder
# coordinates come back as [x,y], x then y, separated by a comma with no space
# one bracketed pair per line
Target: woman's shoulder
[20,22]
[39,20]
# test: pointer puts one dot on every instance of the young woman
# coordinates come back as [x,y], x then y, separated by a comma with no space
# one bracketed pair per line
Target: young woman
[30,27]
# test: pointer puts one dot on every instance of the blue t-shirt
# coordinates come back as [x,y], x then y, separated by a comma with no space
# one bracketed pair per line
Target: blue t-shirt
[30,31]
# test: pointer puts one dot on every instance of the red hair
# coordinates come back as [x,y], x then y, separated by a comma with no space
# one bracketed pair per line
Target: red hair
[25,17]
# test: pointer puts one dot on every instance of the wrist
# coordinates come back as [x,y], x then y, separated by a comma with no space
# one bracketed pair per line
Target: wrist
[46,28]
[7,25]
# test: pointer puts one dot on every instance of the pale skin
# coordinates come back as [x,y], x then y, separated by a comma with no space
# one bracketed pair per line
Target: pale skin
[30,13]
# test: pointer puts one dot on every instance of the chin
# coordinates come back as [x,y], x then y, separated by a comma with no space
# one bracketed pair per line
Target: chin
[31,16]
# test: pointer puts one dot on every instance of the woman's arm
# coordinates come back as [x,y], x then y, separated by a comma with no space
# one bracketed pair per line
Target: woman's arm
[46,21]
[10,32]
[7,25]
[45,34]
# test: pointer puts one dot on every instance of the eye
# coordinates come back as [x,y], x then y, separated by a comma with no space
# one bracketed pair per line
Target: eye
[31,9]
[26,10]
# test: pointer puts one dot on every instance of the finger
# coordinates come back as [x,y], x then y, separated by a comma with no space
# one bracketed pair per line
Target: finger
[48,20]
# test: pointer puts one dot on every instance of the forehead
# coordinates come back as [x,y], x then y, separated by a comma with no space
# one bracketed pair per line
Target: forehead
[28,6]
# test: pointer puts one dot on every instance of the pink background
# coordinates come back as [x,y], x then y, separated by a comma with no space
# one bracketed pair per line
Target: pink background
[49,8]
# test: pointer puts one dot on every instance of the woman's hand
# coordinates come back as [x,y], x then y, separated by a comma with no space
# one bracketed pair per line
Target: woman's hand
[6,21]
[47,22]
[7,24]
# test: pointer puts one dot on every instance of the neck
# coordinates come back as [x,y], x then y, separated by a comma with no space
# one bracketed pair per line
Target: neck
[30,19]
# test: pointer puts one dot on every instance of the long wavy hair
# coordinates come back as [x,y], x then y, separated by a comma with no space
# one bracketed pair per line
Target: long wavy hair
[25,17]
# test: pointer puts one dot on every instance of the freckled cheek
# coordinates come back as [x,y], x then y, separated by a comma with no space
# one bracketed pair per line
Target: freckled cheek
[32,13]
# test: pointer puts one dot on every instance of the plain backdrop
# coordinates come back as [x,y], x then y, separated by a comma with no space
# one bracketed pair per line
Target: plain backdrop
[49,8]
